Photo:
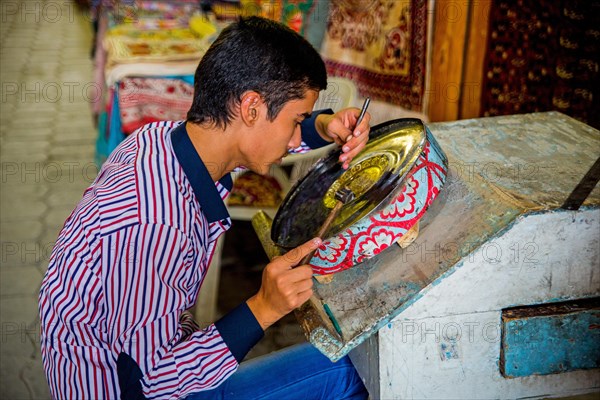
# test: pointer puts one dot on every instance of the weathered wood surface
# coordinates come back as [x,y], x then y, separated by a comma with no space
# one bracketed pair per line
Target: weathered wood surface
[550,338]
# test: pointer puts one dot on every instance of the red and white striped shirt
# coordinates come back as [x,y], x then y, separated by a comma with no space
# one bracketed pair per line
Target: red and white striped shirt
[128,262]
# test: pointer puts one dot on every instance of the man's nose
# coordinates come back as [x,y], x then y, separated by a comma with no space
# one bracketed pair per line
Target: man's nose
[296,138]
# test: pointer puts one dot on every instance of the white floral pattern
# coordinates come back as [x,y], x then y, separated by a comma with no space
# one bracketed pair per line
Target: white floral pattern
[373,234]
[378,241]
[332,249]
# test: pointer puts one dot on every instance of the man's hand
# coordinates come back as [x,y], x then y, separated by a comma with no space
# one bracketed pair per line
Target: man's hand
[340,128]
[283,287]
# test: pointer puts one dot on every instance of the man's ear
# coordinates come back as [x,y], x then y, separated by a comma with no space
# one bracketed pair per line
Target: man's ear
[250,107]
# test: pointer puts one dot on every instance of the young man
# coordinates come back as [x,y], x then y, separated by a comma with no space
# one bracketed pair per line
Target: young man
[132,255]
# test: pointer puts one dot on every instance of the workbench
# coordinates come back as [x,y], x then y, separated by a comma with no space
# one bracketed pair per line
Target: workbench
[498,295]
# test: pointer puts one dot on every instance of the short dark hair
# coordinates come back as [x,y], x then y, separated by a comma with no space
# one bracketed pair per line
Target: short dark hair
[254,54]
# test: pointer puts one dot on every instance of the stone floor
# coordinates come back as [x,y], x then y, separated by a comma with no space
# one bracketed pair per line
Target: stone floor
[47,153]
[47,150]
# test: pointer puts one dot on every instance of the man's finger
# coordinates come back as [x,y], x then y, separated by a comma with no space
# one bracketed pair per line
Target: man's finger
[342,132]
[363,126]
[302,273]
[304,296]
[304,284]
[354,142]
[293,257]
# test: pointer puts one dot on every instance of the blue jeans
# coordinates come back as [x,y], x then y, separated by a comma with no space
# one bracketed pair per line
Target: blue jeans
[297,372]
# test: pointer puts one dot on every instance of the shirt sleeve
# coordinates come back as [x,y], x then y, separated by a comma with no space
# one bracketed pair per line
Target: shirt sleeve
[152,272]
[310,137]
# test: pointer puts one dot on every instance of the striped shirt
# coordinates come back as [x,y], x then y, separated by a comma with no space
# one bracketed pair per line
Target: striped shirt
[128,262]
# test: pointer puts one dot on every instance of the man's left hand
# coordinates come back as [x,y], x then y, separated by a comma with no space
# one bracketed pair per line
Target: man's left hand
[341,128]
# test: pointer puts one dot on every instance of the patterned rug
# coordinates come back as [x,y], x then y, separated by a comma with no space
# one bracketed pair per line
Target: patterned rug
[382,46]
[543,56]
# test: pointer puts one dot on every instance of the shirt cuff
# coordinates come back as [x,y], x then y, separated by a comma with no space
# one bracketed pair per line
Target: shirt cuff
[240,331]
[310,136]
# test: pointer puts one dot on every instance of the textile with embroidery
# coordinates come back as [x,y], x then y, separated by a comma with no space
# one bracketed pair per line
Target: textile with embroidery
[146,100]
[382,46]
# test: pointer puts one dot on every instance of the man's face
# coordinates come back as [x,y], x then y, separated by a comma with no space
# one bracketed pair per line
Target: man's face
[274,138]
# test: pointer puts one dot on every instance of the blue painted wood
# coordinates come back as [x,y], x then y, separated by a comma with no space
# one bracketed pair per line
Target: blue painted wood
[541,340]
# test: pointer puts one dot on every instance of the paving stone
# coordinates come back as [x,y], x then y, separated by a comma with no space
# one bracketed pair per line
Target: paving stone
[14,65]
[40,74]
[8,75]
[19,281]
[39,111]
[40,146]
[51,54]
[38,157]
[80,124]
[42,128]
[72,176]
[22,202]
[47,241]
[85,122]
[10,54]
[46,167]
[84,137]
[22,172]
[19,339]
[11,384]
[29,135]
[13,194]
[72,49]
[72,153]
[6,110]
[24,33]
[25,253]
[85,168]
[66,104]
[55,218]
[18,43]
[22,311]
[21,231]
[20,238]
[65,197]
[33,157]
[44,65]
[72,117]
[48,43]
[22,378]
[33,376]
[41,107]
[44,121]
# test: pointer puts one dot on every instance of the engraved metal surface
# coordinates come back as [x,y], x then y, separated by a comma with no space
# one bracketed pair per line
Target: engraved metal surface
[374,176]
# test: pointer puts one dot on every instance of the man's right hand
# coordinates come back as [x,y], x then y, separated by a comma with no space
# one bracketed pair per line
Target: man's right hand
[283,287]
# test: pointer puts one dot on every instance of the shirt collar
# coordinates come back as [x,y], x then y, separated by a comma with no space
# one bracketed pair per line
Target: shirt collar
[204,187]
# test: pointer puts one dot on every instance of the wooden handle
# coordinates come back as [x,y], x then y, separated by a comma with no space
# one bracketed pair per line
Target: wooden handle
[328,221]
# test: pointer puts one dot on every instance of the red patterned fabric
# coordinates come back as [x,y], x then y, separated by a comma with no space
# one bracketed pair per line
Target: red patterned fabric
[146,100]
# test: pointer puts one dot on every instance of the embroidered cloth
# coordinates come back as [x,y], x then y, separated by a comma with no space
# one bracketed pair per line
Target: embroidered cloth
[381,45]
